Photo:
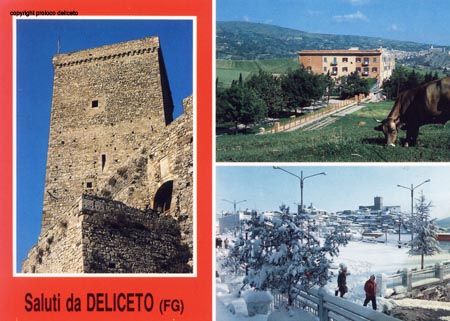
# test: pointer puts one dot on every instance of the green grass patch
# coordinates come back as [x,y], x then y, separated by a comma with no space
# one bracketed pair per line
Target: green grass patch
[229,70]
[350,139]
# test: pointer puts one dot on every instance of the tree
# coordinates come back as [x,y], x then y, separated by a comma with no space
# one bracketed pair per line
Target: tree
[301,87]
[277,258]
[239,104]
[425,242]
[353,85]
[396,83]
[268,88]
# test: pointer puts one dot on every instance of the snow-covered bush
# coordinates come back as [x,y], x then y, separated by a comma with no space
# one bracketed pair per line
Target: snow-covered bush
[280,254]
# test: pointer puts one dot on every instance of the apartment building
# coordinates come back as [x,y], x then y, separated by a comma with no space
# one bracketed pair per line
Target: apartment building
[377,63]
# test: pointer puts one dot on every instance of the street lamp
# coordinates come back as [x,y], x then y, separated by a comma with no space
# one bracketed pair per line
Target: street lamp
[234,203]
[301,179]
[411,189]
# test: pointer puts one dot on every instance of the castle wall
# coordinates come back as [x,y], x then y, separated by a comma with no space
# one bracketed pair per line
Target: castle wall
[106,236]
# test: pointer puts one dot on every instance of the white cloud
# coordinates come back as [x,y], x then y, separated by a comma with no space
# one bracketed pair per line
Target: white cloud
[394,27]
[357,2]
[357,16]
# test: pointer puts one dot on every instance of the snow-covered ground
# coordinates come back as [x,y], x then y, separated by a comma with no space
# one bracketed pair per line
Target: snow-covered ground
[362,260]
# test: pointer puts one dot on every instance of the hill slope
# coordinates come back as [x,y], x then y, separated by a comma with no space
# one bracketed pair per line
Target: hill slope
[246,40]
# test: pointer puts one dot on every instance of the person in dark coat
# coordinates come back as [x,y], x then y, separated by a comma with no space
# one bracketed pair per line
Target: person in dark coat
[370,287]
[342,282]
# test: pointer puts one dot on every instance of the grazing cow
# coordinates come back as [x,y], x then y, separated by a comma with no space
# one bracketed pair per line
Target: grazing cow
[426,104]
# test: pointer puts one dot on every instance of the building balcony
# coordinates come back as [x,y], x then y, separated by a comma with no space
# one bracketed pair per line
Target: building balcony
[365,63]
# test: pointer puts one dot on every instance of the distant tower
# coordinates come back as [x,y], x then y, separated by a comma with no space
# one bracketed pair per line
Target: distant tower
[378,203]
[107,102]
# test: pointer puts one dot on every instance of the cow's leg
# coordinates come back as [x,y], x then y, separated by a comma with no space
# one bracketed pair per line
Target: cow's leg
[411,135]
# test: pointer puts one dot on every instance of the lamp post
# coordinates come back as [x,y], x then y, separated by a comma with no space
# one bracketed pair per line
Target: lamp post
[302,179]
[411,189]
[234,204]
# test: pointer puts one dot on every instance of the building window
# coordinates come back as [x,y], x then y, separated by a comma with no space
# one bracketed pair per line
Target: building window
[344,69]
[325,69]
[89,185]
[358,59]
[374,69]
[344,59]
[358,70]
[94,104]
[374,59]
[325,59]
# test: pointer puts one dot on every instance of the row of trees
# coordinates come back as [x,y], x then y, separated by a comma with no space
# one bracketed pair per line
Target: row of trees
[265,95]
[403,79]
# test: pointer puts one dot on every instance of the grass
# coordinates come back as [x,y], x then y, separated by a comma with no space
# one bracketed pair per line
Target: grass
[229,70]
[347,140]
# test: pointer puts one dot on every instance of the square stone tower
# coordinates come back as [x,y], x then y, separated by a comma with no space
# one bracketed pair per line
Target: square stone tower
[120,171]
[107,103]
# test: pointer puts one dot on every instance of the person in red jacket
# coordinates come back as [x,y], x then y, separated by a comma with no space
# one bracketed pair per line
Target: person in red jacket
[370,287]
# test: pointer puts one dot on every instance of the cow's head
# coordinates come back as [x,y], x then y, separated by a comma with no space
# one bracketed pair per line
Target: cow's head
[390,128]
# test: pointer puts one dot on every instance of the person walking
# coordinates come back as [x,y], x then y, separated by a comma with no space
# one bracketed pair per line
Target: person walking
[342,282]
[370,287]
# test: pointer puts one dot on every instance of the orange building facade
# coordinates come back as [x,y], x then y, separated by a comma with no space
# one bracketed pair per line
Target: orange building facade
[377,63]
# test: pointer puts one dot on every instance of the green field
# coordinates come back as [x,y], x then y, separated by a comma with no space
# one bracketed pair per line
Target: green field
[350,139]
[229,70]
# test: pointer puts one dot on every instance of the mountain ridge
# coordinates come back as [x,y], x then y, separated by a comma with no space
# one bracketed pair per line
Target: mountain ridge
[239,40]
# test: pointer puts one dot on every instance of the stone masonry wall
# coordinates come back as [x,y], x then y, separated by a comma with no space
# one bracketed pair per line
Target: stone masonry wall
[60,248]
[106,236]
[107,103]
[120,239]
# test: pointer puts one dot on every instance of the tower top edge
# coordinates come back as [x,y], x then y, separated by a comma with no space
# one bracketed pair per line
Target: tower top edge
[102,52]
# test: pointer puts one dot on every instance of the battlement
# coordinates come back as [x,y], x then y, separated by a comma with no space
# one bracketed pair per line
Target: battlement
[108,52]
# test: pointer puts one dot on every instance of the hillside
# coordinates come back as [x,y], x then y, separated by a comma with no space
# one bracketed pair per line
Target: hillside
[444,223]
[245,40]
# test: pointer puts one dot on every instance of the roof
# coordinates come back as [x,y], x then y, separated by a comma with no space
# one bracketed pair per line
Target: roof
[349,52]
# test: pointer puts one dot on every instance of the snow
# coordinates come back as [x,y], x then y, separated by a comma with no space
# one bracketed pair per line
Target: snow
[361,259]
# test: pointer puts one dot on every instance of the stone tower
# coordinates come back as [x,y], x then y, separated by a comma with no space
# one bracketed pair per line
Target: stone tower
[117,165]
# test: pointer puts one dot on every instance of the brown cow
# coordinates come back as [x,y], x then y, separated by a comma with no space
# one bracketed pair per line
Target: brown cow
[426,104]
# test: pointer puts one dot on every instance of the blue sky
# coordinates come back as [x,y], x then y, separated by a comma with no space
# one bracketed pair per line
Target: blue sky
[343,187]
[424,21]
[36,44]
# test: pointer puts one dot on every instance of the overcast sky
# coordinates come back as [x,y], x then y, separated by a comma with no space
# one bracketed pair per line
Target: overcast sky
[343,187]
[424,21]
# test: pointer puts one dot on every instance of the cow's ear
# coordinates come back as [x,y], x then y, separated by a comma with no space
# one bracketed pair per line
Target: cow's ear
[401,126]
[379,128]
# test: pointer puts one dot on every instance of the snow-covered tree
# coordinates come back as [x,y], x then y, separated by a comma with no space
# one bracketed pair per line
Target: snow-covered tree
[425,241]
[281,255]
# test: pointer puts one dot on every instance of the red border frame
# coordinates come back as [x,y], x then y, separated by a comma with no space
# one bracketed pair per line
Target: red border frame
[194,292]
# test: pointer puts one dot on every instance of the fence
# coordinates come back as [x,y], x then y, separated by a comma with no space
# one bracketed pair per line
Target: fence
[316,115]
[330,308]
[411,279]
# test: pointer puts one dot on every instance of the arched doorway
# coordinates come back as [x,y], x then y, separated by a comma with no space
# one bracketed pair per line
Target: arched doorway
[163,198]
